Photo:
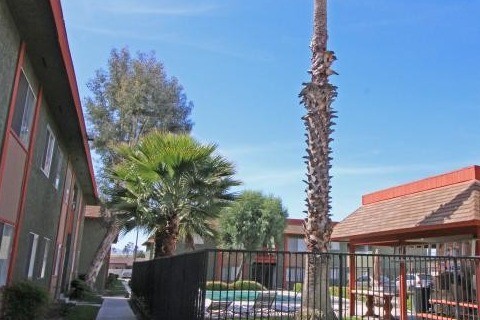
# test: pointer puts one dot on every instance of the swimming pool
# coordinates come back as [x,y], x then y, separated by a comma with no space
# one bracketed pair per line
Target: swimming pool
[286,301]
[231,295]
[251,295]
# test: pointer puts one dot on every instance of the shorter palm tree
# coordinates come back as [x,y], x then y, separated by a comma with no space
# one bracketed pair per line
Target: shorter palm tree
[175,187]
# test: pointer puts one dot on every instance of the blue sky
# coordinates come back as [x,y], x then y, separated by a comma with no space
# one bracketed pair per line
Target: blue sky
[408,84]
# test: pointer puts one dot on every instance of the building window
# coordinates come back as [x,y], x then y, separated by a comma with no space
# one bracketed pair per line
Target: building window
[46,247]
[6,232]
[363,249]
[24,109]
[294,274]
[33,253]
[297,244]
[335,246]
[58,169]
[48,152]
[229,273]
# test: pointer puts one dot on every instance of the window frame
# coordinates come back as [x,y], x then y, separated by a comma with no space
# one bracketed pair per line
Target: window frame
[46,249]
[25,130]
[47,155]
[7,251]
[58,168]
[32,255]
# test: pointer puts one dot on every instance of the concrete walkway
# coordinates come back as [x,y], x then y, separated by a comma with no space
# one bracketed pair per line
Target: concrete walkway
[115,308]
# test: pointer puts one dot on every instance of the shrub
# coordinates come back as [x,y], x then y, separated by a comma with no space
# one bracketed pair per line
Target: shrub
[216,285]
[247,285]
[80,290]
[297,287]
[24,301]
[111,279]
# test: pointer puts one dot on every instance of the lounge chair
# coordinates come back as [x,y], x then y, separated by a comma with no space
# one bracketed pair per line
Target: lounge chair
[263,304]
[217,309]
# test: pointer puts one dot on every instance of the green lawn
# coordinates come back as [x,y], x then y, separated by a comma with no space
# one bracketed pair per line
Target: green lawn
[82,313]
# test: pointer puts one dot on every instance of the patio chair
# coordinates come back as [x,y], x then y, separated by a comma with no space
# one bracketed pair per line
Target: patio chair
[217,309]
[263,305]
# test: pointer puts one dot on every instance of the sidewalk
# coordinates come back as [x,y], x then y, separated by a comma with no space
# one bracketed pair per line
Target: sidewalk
[115,308]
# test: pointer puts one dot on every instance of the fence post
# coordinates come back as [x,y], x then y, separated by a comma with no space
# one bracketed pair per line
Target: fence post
[455,287]
[340,287]
[352,279]
[403,286]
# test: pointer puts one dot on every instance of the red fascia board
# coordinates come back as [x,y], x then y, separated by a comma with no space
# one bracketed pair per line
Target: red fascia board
[67,60]
[442,180]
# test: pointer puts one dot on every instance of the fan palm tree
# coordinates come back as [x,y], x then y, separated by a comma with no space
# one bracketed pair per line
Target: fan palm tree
[175,185]
[317,96]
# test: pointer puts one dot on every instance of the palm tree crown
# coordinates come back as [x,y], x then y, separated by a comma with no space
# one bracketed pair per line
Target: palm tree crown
[174,185]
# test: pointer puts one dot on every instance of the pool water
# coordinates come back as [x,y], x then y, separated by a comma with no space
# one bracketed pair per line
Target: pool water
[250,295]
[231,295]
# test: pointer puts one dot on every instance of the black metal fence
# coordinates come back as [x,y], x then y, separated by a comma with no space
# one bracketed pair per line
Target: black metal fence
[230,284]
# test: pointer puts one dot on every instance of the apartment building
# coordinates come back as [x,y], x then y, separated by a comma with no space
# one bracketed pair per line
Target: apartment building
[46,175]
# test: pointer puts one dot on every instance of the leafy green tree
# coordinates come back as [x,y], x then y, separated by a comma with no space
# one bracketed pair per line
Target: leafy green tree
[317,96]
[132,97]
[176,185]
[252,222]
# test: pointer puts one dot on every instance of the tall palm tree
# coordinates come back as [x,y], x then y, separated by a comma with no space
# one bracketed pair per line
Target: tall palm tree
[317,96]
[175,184]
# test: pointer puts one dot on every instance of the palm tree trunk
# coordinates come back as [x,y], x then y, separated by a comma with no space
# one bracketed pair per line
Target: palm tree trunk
[167,237]
[317,97]
[102,251]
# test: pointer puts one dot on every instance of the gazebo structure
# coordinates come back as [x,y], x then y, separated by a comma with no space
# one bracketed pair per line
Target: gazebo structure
[439,214]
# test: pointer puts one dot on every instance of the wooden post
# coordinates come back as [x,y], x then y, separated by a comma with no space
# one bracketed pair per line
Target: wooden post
[352,280]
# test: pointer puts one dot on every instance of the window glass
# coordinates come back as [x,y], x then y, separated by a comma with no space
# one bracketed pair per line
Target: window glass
[294,274]
[24,108]
[58,169]
[48,152]
[301,245]
[33,254]
[296,244]
[292,244]
[6,232]
[363,249]
[229,273]
[45,257]
[335,246]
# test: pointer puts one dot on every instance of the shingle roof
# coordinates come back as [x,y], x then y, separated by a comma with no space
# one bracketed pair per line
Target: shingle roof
[454,203]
